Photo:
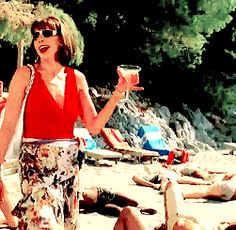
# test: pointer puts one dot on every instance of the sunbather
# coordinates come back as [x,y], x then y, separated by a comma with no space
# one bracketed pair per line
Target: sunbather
[175,215]
[188,173]
[129,219]
[106,202]
[195,170]
[221,190]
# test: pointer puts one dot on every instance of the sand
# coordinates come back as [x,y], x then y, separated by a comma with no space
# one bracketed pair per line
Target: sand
[118,177]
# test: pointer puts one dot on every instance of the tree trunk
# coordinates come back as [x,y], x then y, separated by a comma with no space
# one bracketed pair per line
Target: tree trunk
[20,47]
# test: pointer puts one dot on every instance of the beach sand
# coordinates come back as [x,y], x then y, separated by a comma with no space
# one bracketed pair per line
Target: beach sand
[118,177]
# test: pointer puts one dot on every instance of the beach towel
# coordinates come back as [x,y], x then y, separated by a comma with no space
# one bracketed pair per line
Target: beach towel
[114,138]
[152,139]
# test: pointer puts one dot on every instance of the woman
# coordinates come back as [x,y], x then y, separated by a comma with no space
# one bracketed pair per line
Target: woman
[57,99]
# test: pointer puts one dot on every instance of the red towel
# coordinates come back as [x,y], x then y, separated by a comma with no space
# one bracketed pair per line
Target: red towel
[172,156]
[114,138]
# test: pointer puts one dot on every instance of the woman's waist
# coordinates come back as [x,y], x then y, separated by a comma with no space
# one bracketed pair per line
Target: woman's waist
[56,141]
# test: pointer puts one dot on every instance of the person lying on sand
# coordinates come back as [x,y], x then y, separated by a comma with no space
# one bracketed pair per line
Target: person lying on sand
[176,218]
[224,190]
[187,173]
[106,202]
[194,169]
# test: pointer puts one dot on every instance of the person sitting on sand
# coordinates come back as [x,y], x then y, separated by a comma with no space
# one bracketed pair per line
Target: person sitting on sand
[106,202]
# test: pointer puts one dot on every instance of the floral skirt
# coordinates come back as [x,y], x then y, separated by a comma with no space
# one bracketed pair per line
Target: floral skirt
[49,175]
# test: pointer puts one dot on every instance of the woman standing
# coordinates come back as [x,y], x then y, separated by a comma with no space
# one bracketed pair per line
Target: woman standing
[49,153]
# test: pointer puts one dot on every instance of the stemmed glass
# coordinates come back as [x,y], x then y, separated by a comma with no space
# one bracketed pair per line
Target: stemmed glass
[127,72]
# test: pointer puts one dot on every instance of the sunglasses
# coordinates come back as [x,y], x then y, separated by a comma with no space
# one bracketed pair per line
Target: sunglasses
[46,33]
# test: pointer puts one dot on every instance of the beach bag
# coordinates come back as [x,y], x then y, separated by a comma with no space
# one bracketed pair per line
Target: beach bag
[16,140]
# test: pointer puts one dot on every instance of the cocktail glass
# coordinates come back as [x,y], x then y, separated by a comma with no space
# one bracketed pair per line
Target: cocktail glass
[128,72]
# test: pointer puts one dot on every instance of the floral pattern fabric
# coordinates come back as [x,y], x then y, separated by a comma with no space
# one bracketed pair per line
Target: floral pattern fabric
[49,175]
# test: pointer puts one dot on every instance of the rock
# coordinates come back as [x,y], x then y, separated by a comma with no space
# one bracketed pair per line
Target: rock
[193,131]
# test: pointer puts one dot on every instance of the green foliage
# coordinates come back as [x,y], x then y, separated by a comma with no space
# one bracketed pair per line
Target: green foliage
[155,34]
[186,30]
[92,19]
[15,30]
[223,96]
[229,102]
[176,44]
[7,34]
[231,53]
[232,50]
[15,19]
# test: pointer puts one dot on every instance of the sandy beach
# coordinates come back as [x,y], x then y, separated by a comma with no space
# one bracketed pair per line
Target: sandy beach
[118,177]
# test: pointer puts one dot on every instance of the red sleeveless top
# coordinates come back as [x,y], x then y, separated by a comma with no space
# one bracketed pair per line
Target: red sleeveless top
[43,118]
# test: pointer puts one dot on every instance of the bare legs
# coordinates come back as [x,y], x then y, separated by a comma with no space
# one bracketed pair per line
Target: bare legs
[129,219]
[181,180]
[176,216]
[175,213]
[176,219]
[213,191]
[141,181]
[6,207]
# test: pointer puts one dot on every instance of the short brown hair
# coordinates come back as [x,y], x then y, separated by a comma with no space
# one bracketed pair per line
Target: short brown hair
[67,51]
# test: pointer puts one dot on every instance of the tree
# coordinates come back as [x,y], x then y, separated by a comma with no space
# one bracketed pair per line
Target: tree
[184,29]
[16,18]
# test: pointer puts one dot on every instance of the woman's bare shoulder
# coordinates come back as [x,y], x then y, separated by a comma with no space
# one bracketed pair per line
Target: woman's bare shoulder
[21,77]
[23,69]
[81,80]
[23,73]
[79,75]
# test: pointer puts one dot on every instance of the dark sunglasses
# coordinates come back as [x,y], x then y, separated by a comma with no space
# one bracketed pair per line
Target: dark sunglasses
[46,33]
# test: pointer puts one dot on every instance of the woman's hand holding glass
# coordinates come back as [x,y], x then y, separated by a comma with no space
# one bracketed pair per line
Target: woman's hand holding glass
[128,79]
